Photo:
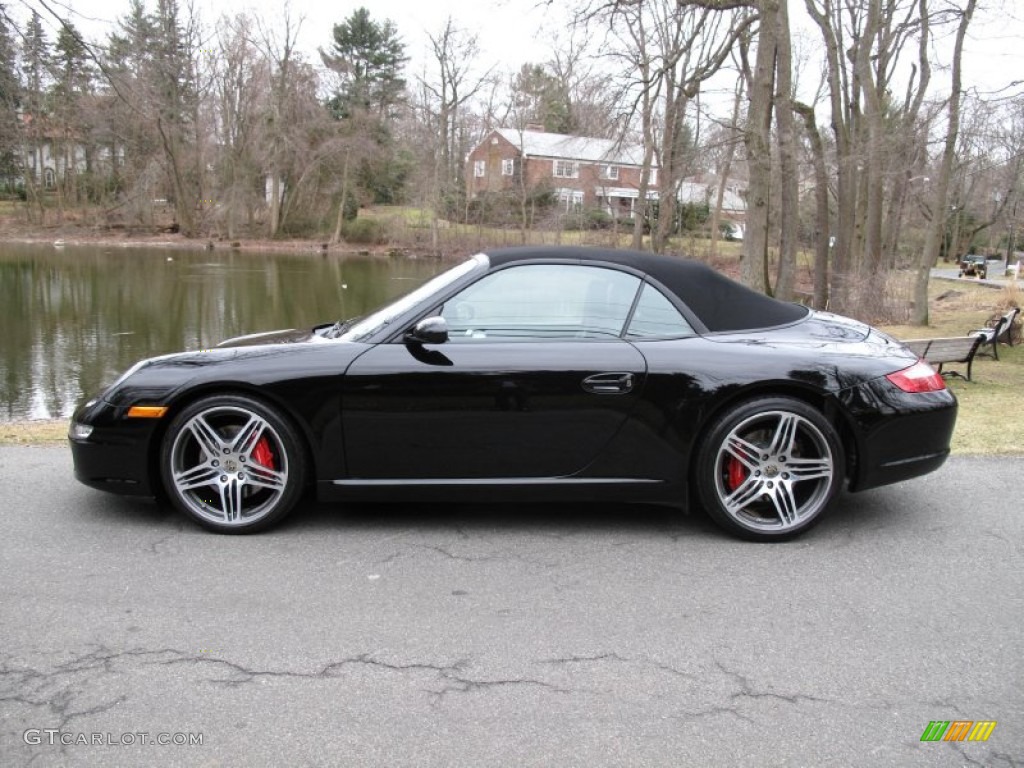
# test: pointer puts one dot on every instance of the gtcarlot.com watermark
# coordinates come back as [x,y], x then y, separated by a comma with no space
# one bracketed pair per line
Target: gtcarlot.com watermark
[56,737]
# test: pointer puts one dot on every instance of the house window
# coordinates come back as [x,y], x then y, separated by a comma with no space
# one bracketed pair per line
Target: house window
[610,172]
[565,169]
[508,166]
[652,176]
[572,199]
[479,168]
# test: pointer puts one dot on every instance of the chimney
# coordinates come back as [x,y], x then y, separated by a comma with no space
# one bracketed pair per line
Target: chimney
[535,127]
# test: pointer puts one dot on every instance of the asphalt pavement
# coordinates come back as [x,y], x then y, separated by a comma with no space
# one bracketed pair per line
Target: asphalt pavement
[996,274]
[500,635]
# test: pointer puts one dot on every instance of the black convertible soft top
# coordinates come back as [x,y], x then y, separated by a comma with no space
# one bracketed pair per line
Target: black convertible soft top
[720,303]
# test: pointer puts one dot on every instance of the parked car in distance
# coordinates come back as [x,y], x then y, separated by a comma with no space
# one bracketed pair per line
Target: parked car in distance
[974,265]
[535,373]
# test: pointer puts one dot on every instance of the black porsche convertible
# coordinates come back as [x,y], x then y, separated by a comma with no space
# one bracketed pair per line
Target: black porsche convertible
[534,373]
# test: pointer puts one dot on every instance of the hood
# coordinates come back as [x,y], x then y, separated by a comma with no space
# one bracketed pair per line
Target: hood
[287,336]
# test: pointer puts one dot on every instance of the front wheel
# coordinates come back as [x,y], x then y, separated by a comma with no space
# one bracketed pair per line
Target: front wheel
[769,468]
[232,464]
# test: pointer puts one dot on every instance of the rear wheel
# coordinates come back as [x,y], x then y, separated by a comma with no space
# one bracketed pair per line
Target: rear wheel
[769,468]
[232,464]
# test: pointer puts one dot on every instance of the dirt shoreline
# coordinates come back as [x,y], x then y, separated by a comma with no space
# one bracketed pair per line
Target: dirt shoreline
[61,237]
[37,432]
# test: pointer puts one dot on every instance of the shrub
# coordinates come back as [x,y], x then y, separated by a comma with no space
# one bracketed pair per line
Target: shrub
[350,210]
[364,231]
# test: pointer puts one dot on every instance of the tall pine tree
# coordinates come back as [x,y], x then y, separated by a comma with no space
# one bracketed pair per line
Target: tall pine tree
[368,56]
[10,100]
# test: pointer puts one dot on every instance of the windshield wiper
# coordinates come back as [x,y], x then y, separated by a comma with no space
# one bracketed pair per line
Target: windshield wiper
[339,328]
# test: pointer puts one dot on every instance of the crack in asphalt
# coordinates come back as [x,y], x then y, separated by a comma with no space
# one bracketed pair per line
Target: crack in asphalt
[63,691]
[747,689]
[612,656]
[156,547]
[327,671]
[457,684]
[71,677]
[712,712]
[47,690]
[454,681]
[990,758]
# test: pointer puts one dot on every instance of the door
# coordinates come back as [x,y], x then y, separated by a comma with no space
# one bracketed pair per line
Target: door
[534,381]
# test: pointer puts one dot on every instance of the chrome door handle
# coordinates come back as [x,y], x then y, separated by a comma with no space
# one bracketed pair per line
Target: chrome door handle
[609,383]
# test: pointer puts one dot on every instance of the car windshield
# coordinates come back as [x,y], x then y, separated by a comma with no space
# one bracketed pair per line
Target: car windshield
[386,315]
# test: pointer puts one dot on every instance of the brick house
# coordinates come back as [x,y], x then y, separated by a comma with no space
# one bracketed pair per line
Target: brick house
[581,172]
[47,155]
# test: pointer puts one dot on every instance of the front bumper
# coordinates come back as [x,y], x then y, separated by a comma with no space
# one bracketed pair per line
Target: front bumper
[116,455]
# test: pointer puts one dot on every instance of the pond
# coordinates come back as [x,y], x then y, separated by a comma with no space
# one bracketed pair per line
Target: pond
[72,319]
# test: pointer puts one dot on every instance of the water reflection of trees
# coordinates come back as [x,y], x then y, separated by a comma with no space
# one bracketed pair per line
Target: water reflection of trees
[72,319]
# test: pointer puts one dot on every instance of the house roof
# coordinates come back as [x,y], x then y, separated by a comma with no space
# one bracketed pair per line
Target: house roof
[558,145]
[697,192]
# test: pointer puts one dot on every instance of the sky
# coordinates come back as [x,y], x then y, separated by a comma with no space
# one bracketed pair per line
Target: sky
[511,32]
[508,30]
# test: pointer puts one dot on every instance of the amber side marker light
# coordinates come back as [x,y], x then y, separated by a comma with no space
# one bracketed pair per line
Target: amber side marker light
[920,377]
[146,411]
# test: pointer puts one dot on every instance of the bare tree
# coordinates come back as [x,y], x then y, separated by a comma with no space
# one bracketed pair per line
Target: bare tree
[454,80]
[640,87]
[278,46]
[728,137]
[673,47]
[241,76]
[757,140]
[35,63]
[868,43]
[930,254]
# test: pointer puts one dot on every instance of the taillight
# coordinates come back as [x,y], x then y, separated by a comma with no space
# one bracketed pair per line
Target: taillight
[920,377]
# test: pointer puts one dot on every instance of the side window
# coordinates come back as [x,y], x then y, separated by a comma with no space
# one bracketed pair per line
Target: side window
[542,301]
[656,318]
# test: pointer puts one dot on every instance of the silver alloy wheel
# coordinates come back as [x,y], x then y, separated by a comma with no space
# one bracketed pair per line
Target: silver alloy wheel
[219,466]
[774,471]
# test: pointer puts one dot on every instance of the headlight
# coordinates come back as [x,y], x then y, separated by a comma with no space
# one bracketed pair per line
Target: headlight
[79,431]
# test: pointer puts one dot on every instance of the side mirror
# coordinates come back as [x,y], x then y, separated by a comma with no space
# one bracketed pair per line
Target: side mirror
[429,330]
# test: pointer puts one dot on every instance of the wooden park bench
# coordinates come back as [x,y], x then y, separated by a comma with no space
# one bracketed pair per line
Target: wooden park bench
[954,349]
[1000,329]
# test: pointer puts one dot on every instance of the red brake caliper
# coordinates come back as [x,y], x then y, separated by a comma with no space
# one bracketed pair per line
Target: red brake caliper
[262,454]
[737,473]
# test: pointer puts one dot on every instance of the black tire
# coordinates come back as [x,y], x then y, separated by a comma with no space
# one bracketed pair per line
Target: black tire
[233,464]
[768,469]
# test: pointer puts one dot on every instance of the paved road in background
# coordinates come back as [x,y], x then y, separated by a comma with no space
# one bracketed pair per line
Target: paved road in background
[502,636]
[996,271]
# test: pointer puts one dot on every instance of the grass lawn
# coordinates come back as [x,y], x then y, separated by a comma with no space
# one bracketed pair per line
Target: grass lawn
[991,417]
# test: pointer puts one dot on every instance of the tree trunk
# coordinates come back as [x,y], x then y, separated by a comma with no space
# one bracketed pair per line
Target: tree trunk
[789,171]
[336,237]
[757,141]
[823,235]
[724,172]
[930,254]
